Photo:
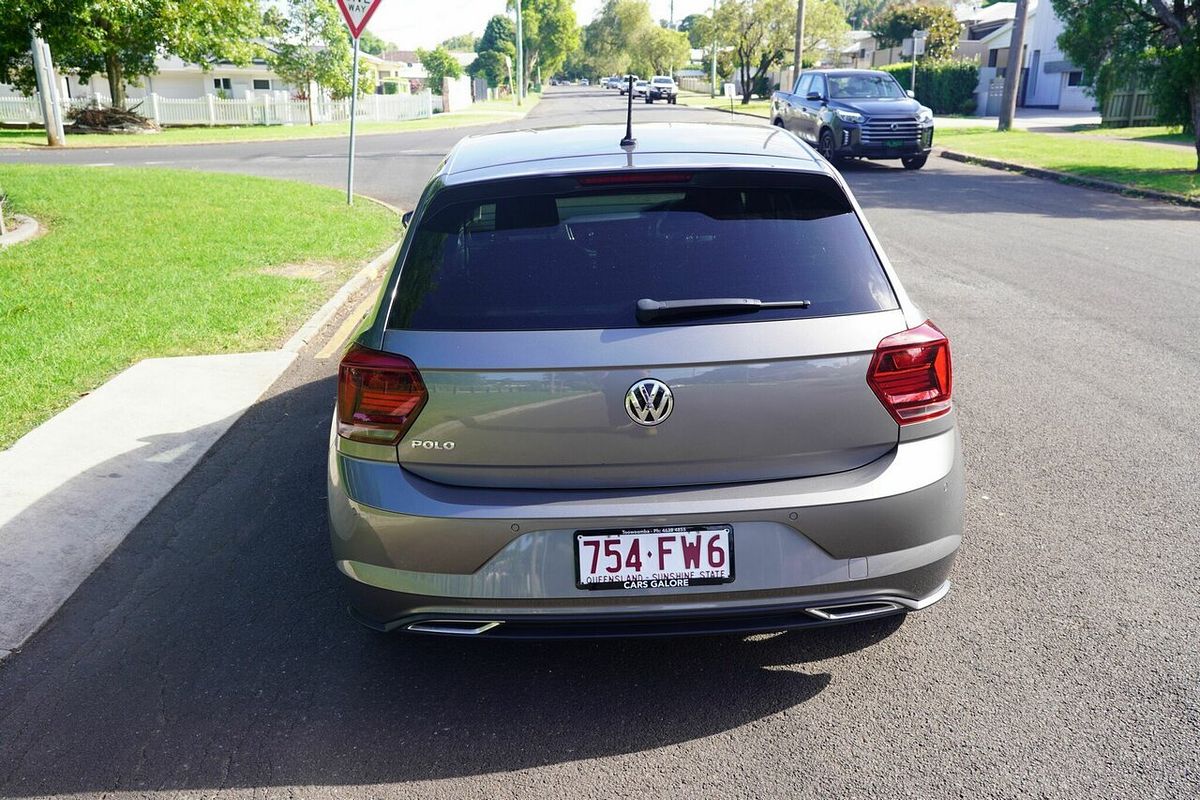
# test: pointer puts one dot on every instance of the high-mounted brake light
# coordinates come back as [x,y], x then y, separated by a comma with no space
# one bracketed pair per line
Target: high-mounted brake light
[379,396]
[610,178]
[910,374]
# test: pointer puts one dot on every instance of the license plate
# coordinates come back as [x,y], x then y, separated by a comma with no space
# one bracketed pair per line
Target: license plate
[894,143]
[654,558]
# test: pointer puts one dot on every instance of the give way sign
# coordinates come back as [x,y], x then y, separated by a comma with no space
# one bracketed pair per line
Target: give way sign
[357,13]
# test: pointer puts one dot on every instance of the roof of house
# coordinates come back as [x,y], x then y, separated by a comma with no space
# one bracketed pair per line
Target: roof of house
[597,147]
[975,15]
[401,56]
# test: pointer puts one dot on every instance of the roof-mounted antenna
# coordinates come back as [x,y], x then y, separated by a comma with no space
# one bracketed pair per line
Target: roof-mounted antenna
[629,141]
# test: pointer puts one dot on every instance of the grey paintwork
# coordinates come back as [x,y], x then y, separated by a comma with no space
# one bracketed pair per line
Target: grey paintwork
[566,425]
[389,516]
[774,430]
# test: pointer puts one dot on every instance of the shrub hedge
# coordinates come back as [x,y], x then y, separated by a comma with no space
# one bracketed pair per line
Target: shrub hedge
[948,87]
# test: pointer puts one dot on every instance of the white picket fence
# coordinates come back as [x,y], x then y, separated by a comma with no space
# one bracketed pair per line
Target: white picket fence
[264,108]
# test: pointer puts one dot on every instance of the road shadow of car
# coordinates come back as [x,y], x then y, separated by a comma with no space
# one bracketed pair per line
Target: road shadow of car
[212,649]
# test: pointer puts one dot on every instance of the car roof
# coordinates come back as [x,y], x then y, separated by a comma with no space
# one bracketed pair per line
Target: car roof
[659,145]
[847,71]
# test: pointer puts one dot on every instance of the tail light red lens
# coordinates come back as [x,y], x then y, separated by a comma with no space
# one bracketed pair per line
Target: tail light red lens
[379,396]
[611,178]
[910,374]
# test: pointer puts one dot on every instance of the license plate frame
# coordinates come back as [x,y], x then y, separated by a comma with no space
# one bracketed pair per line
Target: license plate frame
[625,537]
[894,144]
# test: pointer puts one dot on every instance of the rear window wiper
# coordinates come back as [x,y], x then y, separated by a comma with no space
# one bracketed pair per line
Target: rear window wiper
[655,310]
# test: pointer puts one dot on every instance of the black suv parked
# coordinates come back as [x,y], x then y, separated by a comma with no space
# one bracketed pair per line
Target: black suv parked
[856,113]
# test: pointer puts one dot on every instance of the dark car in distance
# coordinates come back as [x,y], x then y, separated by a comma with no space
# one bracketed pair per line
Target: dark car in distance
[856,113]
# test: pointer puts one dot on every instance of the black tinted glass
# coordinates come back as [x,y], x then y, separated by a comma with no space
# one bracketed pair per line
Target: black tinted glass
[583,258]
[864,87]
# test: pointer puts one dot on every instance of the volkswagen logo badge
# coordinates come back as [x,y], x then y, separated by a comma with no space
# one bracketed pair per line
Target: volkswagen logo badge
[649,402]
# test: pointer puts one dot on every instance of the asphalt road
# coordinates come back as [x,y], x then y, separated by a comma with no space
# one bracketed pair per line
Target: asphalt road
[210,655]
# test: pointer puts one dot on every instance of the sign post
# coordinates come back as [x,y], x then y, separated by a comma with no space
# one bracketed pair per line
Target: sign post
[916,47]
[356,13]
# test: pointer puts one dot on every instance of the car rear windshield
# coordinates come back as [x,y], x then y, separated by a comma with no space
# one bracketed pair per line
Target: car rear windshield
[562,254]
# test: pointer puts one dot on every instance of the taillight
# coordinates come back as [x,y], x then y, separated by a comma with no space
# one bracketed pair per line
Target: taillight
[910,374]
[611,178]
[379,396]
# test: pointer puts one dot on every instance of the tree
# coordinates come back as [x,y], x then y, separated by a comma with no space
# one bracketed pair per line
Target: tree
[123,39]
[309,46]
[899,21]
[500,35]
[439,64]
[861,14]
[1156,41]
[825,26]
[550,33]
[688,25]
[370,43]
[614,41]
[462,42]
[761,32]
[661,49]
[499,41]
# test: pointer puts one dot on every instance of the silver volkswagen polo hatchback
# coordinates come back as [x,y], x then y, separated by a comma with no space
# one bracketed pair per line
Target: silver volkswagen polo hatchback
[668,387]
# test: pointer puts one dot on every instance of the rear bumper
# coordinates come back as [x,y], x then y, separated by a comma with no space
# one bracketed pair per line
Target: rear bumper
[430,616]
[413,550]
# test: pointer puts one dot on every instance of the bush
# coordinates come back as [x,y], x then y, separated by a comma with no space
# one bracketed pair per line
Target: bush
[948,87]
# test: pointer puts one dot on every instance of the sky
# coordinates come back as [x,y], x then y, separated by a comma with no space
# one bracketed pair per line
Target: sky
[424,23]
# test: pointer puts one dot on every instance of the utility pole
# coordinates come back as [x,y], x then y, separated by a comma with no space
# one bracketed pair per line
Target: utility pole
[1012,74]
[353,117]
[520,57]
[47,87]
[713,83]
[798,54]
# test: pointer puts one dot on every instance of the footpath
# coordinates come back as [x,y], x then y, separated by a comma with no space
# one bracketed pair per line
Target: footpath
[74,487]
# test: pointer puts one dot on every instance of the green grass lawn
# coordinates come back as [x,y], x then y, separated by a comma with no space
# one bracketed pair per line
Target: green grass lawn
[147,262]
[1158,168]
[1155,133]
[760,108]
[478,114]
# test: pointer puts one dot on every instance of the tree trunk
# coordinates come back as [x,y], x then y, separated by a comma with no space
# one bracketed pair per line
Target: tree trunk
[116,79]
[764,66]
[1194,97]
[747,85]
[798,52]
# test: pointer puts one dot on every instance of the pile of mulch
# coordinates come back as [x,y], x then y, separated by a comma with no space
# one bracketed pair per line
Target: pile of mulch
[105,119]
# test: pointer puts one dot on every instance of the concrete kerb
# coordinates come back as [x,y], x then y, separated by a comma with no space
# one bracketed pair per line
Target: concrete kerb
[109,459]
[1066,177]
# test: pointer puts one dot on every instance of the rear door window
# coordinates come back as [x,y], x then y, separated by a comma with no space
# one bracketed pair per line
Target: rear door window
[557,255]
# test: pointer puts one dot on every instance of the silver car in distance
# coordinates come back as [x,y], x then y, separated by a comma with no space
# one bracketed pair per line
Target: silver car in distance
[673,387]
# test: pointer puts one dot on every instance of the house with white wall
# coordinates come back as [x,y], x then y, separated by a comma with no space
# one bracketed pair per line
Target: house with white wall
[1049,81]
[177,79]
